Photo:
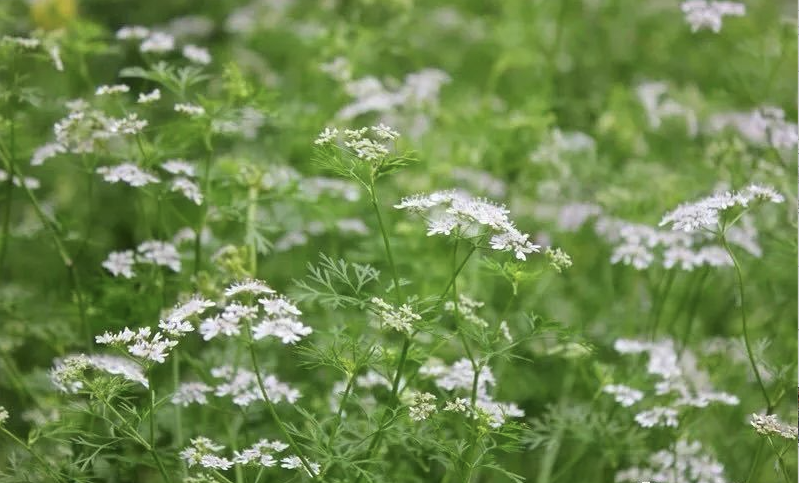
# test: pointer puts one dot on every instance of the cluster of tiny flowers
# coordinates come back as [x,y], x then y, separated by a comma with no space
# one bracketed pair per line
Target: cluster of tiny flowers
[449,211]
[260,453]
[106,90]
[198,55]
[120,264]
[706,212]
[419,89]
[685,464]
[770,425]
[127,173]
[24,42]
[400,319]
[680,383]
[658,106]
[766,125]
[45,152]
[83,129]
[3,415]
[706,14]
[191,393]
[560,144]
[368,143]
[460,377]
[130,124]
[624,395]
[422,407]
[204,452]
[67,374]
[242,387]
[558,259]
[191,110]
[467,310]
[157,42]
[149,97]
[155,347]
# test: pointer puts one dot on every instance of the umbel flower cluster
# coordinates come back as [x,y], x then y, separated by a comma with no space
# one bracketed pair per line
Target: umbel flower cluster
[455,213]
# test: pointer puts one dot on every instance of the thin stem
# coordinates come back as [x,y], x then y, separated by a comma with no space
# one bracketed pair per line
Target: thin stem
[204,210]
[750,355]
[271,407]
[9,195]
[660,302]
[175,386]
[780,461]
[250,235]
[755,462]
[60,247]
[340,412]
[35,454]
[387,243]
[153,449]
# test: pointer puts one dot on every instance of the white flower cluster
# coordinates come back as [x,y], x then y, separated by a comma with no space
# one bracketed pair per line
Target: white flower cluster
[106,90]
[422,407]
[559,146]
[467,310]
[154,252]
[3,415]
[680,383]
[765,125]
[658,106]
[420,89]
[454,211]
[135,176]
[45,152]
[155,347]
[708,14]
[130,124]
[67,374]
[196,54]
[624,395]
[400,319]
[706,212]
[127,173]
[83,129]
[368,143]
[242,387]
[460,377]
[770,425]
[191,110]
[205,453]
[244,122]
[686,464]
[191,393]
[149,97]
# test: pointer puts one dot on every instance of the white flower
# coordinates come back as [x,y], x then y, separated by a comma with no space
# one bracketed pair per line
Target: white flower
[288,330]
[3,415]
[158,42]
[657,416]
[327,136]
[770,425]
[254,287]
[422,407]
[515,241]
[190,109]
[294,462]
[179,167]
[706,212]
[155,349]
[120,263]
[215,462]
[130,124]
[105,90]
[459,405]
[148,97]
[279,307]
[45,152]
[683,463]
[160,253]
[189,189]
[127,173]
[242,386]
[400,319]
[191,393]
[384,132]
[505,331]
[132,32]
[709,14]
[198,55]
[624,395]
[175,328]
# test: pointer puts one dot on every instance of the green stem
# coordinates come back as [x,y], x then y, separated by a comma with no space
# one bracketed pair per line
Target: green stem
[660,302]
[153,449]
[53,473]
[386,242]
[270,405]
[769,407]
[204,209]
[175,387]
[252,204]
